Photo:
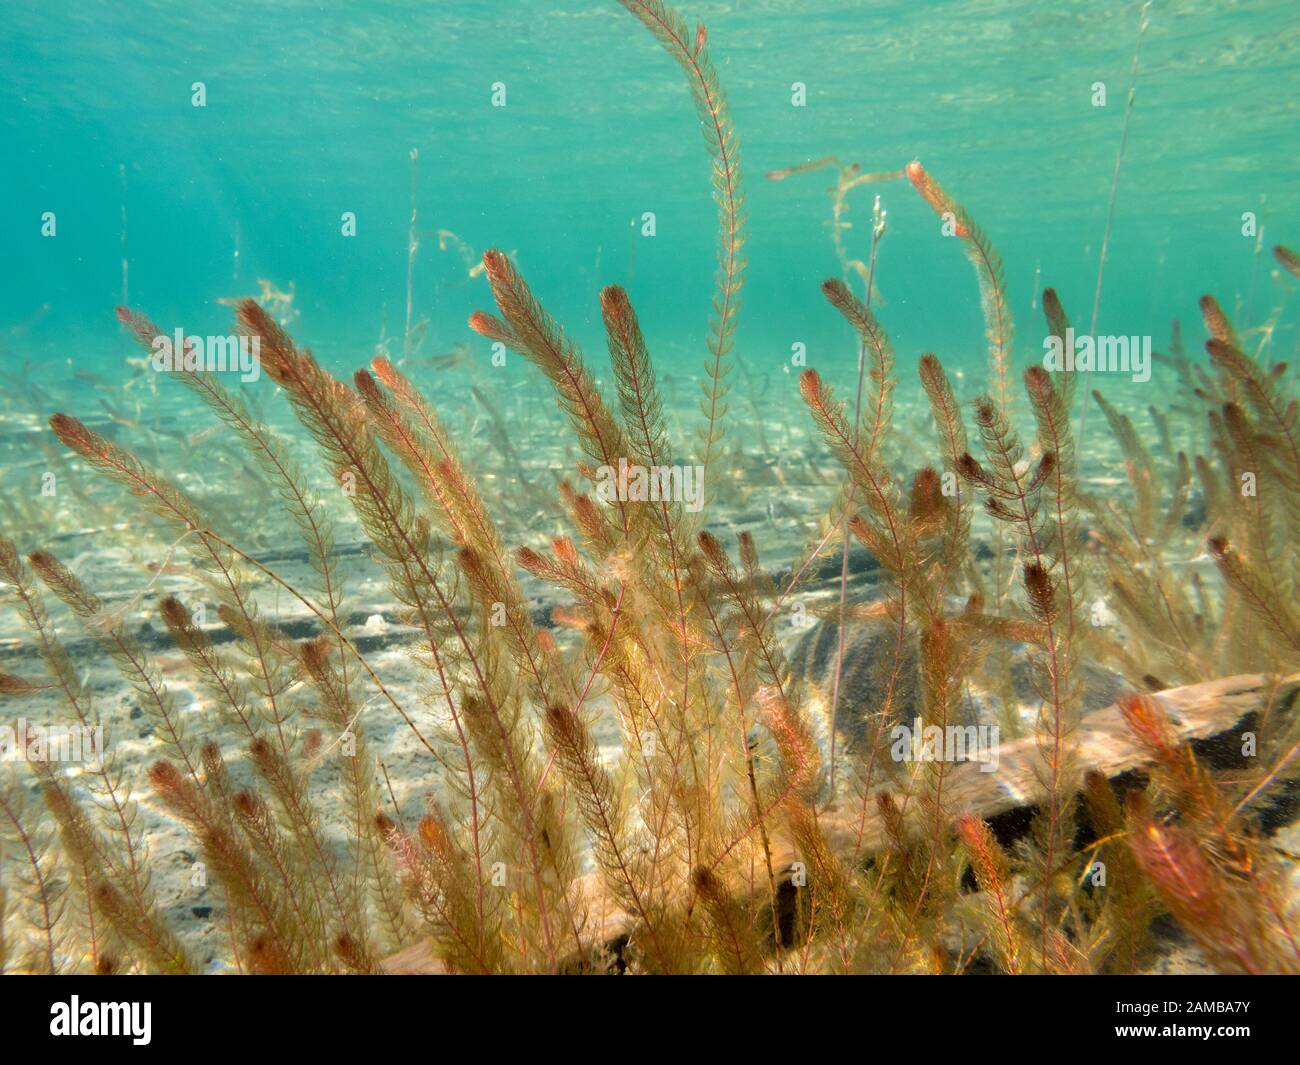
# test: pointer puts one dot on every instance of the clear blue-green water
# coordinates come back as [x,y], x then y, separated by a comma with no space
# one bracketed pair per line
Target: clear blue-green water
[312,110]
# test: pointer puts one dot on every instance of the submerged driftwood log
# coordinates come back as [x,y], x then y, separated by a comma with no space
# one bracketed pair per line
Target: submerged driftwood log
[1198,712]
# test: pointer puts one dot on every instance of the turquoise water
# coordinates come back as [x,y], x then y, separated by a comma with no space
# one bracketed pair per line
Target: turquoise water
[316,116]
[312,110]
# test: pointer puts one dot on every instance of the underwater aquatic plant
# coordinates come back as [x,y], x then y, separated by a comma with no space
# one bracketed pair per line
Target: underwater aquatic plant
[848,177]
[1290,260]
[1114,189]
[988,268]
[692,55]
[712,836]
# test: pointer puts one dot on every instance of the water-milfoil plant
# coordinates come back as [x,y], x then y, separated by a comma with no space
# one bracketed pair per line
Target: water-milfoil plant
[712,835]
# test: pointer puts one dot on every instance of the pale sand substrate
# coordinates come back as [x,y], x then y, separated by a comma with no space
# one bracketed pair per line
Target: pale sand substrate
[112,557]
